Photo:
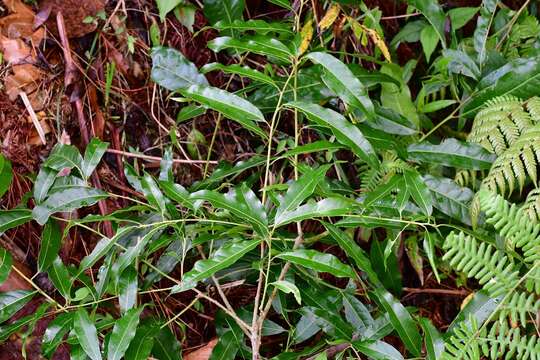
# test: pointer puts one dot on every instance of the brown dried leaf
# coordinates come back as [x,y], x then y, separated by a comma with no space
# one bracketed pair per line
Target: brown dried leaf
[202,353]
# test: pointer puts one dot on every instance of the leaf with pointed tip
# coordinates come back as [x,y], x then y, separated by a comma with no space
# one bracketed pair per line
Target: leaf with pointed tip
[450,198]
[301,189]
[102,248]
[257,44]
[64,157]
[433,340]
[5,264]
[434,13]
[177,193]
[59,275]
[166,346]
[377,350]
[224,257]
[345,132]
[306,327]
[67,200]
[227,11]
[241,202]
[123,332]
[44,181]
[232,106]
[13,301]
[356,313]
[259,26]
[86,333]
[142,347]
[226,347]
[341,80]
[401,320]
[6,175]
[327,207]
[319,145]
[173,71]
[55,332]
[51,241]
[243,71]
[454,153]
[419,191]
[391,122]
[318,261]
[92,155]
[332,324]
[13,218]
[127,289]
[288,287]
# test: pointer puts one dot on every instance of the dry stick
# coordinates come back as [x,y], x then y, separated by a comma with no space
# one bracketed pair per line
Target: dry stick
[157,158]
[33,116]
[69,78]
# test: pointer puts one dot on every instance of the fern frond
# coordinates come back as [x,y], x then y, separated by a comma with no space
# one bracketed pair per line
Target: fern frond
[503,340]
[519,308]
[533,107]
[491,267]
[499,124]
[531,207]
[464,343]
[372,177]
[518,162]
[466,177]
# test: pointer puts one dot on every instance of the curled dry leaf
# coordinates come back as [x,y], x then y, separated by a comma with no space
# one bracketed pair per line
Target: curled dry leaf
[203,353]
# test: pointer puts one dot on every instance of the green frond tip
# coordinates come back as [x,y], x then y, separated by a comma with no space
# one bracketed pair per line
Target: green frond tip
[531,207]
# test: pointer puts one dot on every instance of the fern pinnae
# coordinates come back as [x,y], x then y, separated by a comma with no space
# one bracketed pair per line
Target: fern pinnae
[531,207]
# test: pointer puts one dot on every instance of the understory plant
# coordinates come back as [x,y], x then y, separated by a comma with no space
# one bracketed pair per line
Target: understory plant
[360,164]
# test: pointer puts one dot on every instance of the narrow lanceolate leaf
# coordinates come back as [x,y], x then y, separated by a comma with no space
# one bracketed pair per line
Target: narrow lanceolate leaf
[177,193]
[288,287]
[13,218]
[454,153]
[433,13]
[6,175]
[92,155]
[377,350]
[342,81]
[241,202]
[226,347]
[354,251]
[258,44]
[127,289]
[258,26]
[391,122]
[44,181]
[122,334]
[64,157]
[102,248]
[166,346]
[173,71]
[67,200]
[325,207]
[318,261]
[51,241]
[301,189]
[231,106]
[419,191]
[142,347]
[344,131]
[433,340]
[86,333]
[450,198]
[55,332]
[59,275]
[13,301]
[401,320]
[224,257]
[5,264]
[243,71]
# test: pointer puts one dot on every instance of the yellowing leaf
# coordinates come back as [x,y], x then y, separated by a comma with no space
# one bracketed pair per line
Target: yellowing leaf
[306,35]
[330,16]
[360,32]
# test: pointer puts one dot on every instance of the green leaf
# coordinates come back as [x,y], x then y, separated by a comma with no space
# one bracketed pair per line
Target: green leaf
[127,289]
[450,198]
[288,287]
[377,350]
[345,132]
[230,105]
[433,340]
[460,62]
[152,193]
[356,313]
[142,347]
[318,261]
[13,218]
[241,202]
[480,307]
[332,324]
[519,77]
[340,79]
[483,25]
[319,145]
[243,71]
[283,3]
[166,6]
[409,33]
[419,191]
[92,156]
[67,200]
[173,71]
[64,157]
[433,13]
[13,301]
[398,98]
[437,105]
[177,193]
[429,40]
[382,191]
[429,248]
[453,153]
[189,112]
[390,122]
[166,346]
[55,332]
[44,180]
[51,241]
[349,246]
[401,320]
[59,275]
[186,15]
[224,257]
[86,333]
[306,326]
[223,10]
[258,44]
[301,189]
[327,207]
[122,334]
[6,175]
[226,347]
[102,248]
[459,17]
[259,26]
[5,264]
